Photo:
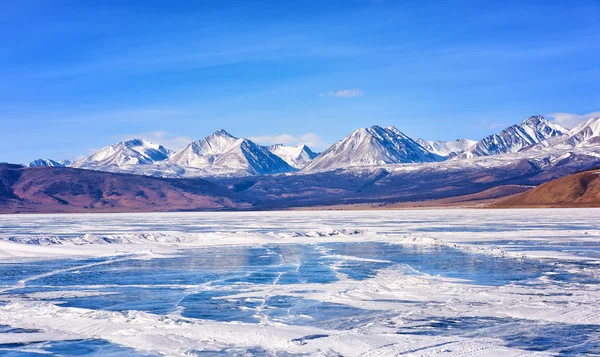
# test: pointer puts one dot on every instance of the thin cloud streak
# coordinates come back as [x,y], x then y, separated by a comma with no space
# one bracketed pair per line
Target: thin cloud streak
[311,140]
[570,120]
[343,93]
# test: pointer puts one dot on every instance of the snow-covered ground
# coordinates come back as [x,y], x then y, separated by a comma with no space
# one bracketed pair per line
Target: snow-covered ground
[370,283]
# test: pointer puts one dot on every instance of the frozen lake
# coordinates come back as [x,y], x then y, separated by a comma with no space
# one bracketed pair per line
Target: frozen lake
[372,283]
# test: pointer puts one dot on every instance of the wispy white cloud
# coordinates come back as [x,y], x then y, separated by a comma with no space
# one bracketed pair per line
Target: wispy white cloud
[158,54]
[166,139]
[570,120]
[311,140]
[343,93]
[285,139]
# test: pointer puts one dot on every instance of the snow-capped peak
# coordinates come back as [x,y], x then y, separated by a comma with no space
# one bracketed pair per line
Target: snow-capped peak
[130,152]
[222,133]
[516,137]
[222,152]
[296,156]
[535,120]
[214,144]
[49,163]
[372,146]
[542,126]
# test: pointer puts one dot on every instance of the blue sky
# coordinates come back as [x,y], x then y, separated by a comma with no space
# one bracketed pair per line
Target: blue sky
[79,75]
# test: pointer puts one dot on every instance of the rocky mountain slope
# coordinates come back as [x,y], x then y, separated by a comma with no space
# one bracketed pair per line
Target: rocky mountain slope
[62,189]
[577,190]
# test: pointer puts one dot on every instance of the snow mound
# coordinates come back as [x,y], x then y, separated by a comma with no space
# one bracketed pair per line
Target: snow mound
[130,238]
[318,234]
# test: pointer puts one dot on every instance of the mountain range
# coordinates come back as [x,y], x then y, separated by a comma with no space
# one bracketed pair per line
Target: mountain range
[222,154]
[375,166]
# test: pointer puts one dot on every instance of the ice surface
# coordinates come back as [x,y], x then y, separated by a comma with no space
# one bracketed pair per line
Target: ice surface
[448,283]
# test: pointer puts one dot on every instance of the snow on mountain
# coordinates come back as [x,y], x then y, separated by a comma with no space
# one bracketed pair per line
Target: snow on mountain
[447,148]
[584,137]
[587,133]
[49,163]
[131,152]
[372,146]
[202,153]
[223,153]
[516,137]
[296,156]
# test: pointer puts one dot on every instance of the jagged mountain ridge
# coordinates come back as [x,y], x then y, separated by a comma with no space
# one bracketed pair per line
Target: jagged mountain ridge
[585,136]
[531,131]
[447,148]
[372,146]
